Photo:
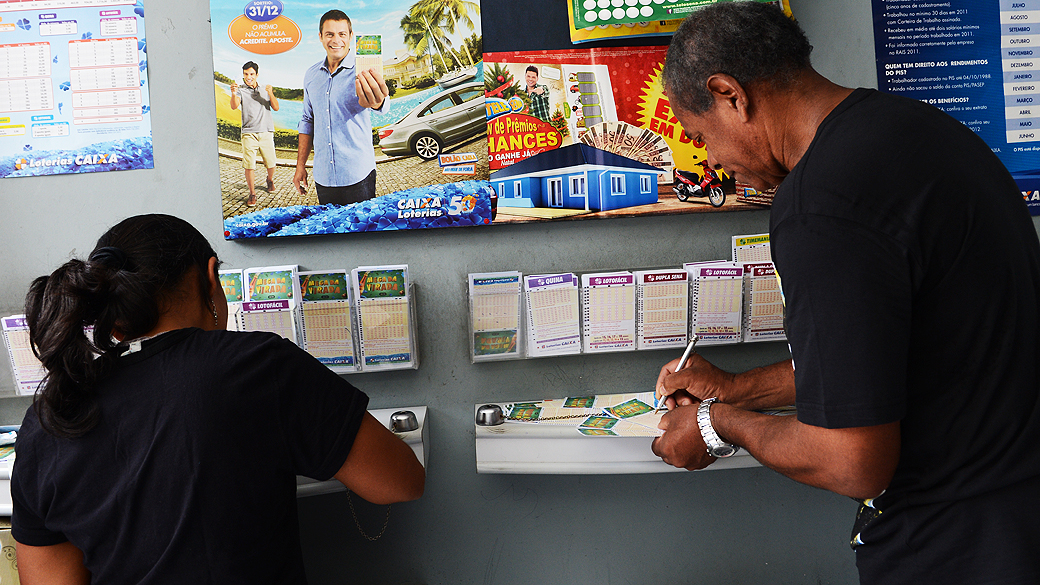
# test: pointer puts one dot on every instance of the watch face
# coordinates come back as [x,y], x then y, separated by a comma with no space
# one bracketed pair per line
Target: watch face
[722,451]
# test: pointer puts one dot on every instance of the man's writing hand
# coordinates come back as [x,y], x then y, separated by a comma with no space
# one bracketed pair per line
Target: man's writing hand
[698,380]
[371,89]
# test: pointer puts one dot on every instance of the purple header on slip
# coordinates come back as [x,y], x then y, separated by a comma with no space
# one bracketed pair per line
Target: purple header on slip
[722,271]
[550,280]
[110,12]
[608,280]
[280,305]
[665,277]
[759,268]
[47,16]
[12,322]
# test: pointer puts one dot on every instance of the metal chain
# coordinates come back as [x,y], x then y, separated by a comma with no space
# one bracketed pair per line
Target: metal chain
[358,523]
[562,416]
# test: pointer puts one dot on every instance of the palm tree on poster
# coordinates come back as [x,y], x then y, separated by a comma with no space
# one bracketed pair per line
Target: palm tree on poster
[421,38]
[448,14]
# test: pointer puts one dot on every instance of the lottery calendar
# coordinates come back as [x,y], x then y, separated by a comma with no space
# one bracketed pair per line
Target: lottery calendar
[73,87]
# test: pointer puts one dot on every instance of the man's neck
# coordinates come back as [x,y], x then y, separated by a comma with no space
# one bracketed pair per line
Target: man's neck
[334,65]
[799,110]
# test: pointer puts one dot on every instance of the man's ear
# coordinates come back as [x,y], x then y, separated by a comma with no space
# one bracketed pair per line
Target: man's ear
[730,95]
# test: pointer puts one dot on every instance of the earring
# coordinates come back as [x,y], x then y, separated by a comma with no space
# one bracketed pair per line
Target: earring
[213,307]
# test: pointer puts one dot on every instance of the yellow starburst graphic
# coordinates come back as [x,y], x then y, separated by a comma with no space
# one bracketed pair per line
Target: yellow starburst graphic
[656,114]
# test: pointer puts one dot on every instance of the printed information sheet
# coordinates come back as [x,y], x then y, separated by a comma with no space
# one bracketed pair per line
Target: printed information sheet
[326,319]
[28,371]
[234,293]
[73,87]
[978,62]
[662,298]
[716,301]
[494,300]
[270,305]
[763,303]
[753,248]
[384,317]
[608,303]
[553,324]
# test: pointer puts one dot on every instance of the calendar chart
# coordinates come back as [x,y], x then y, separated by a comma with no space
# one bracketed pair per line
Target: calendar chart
[73,87]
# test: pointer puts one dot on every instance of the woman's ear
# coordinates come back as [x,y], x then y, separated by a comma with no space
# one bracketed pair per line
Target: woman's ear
[214,276]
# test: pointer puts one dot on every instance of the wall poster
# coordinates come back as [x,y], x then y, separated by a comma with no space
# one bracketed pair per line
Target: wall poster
[587,132]
[978,62]
[428,140]
[73,87]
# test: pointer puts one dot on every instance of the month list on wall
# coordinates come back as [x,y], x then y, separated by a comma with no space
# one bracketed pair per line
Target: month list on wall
[73,87]
[977,61]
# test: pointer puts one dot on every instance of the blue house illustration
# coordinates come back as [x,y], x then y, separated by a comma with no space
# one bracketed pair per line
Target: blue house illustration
[576,177]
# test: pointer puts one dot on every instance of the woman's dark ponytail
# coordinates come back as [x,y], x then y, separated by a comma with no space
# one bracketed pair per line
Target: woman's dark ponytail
[124,285]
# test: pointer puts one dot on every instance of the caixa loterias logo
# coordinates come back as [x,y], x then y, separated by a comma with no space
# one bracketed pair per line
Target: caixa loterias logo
[78,160]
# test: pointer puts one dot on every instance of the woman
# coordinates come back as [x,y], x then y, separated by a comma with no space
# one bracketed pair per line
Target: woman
[163,449]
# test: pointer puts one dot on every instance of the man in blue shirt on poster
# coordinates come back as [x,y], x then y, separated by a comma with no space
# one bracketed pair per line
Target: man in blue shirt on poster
[336,121]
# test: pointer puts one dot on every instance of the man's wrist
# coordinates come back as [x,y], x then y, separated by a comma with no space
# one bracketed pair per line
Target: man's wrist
[716,446]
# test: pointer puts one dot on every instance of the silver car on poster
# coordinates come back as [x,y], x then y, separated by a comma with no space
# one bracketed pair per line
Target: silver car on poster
[444,118]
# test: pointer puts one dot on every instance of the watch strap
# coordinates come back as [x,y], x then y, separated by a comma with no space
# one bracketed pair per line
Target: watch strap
[716,446]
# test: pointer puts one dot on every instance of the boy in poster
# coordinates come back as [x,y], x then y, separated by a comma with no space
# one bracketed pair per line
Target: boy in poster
[257,126]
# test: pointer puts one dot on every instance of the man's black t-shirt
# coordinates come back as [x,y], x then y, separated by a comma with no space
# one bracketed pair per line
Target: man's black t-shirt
[190,475]
[911,276]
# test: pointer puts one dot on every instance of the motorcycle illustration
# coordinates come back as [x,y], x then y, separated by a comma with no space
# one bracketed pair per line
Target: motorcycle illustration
[687,184]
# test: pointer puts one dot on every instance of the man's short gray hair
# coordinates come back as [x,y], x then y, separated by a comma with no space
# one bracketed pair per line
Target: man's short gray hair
[750,41]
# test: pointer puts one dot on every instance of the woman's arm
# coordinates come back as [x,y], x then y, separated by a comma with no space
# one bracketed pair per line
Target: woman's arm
[381,467]
[59,564]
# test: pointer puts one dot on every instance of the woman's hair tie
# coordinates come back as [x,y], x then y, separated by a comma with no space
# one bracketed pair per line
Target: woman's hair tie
[111,257]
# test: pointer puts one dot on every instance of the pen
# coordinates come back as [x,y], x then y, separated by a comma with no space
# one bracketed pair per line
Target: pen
[682,362]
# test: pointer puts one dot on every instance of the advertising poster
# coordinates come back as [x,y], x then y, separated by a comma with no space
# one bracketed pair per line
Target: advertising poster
[427,140]
[588,133]
[978,62]
[73,87]
[599,19]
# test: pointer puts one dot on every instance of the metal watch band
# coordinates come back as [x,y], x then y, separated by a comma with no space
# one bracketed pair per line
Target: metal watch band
[716,446]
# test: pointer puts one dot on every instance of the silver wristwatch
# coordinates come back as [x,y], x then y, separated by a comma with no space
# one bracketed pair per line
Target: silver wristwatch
[716,446]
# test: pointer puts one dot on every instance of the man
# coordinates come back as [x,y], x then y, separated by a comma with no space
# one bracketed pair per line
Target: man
[336,121]
[257,126]
[539,94]
[911,276]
